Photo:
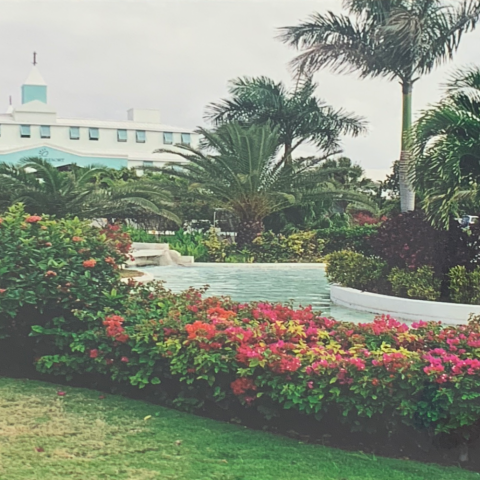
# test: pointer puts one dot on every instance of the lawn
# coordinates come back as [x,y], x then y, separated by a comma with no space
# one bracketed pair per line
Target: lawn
[85,435]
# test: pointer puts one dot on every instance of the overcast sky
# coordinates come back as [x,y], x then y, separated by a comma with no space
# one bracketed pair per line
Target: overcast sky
[102,57]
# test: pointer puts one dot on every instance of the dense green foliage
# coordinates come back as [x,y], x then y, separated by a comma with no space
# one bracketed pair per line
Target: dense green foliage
[420,284]
[300,246]
[244,174]
[239,170]
[50,266]
[422,261]
[88,193]
[447,159]
[354,270]
[464,285]
[357,239]
[297,247]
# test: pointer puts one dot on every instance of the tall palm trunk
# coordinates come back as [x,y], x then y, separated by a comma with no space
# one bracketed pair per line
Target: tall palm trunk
[287,155]
[407,194]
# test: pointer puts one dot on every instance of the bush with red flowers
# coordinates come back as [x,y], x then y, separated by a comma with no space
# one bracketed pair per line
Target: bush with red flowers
[49,267]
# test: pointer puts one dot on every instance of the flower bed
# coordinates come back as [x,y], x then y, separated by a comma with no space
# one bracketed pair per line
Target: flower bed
[273,358]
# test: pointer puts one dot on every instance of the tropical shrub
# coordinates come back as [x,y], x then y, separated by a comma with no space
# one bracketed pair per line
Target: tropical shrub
[218,249]
[409,241]
[464,285]
[297,247]
[421,284]
[50,267]
[357,239]
[263,359]
[354,270]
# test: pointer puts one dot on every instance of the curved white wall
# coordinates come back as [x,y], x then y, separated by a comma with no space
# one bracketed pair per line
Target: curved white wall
[403,308]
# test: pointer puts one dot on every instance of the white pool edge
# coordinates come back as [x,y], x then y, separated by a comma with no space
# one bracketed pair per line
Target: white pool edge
[258,264]
[402,308]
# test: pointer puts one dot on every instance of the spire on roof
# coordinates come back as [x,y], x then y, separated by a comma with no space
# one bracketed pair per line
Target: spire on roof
[34,87]
[35,78]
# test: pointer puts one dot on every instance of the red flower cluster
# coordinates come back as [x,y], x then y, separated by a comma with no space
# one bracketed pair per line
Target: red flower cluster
[220,313]
[114,328]
[50,273]
[242,385]
[200,330]
[77,239]
[120,239]
[89,263]
[110,260]
[33,219]
[94,353]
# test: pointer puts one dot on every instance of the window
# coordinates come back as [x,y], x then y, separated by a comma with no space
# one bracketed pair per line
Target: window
[168,138]
[185,139]
[44,131]
[147,164]
[141,136]
[74,133]
[25,131]
[121,135]
[93,133]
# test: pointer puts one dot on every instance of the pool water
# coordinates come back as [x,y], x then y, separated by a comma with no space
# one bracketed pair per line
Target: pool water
[303,284]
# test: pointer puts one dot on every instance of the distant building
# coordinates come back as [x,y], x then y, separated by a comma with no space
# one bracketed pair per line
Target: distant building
[33,129]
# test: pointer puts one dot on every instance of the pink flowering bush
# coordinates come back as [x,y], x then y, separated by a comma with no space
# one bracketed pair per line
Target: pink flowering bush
[272,358]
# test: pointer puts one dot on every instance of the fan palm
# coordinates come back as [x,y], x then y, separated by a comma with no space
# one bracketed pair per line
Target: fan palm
[447,150]
[83,192]
[299,116]
[246,175]
[397,39]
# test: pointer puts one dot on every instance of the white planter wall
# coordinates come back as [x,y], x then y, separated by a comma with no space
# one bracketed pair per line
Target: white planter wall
[402,308]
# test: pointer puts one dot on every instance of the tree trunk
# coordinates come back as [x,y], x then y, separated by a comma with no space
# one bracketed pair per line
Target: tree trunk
[407,194]
[287,155]
[248,230]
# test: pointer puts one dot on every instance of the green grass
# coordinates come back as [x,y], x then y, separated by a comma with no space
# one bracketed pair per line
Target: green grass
[82,436]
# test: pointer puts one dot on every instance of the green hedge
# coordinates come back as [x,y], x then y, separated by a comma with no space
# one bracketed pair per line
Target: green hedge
[348,238]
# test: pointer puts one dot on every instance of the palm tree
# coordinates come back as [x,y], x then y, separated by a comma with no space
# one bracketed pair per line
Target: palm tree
[246,175]
[299,116]
[397,39]
[83,192]
[447,150]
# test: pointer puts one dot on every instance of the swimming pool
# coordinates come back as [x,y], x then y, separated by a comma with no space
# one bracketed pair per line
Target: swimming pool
[304,284]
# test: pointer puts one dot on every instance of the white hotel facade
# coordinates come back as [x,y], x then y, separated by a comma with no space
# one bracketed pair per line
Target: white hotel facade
[34,129]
